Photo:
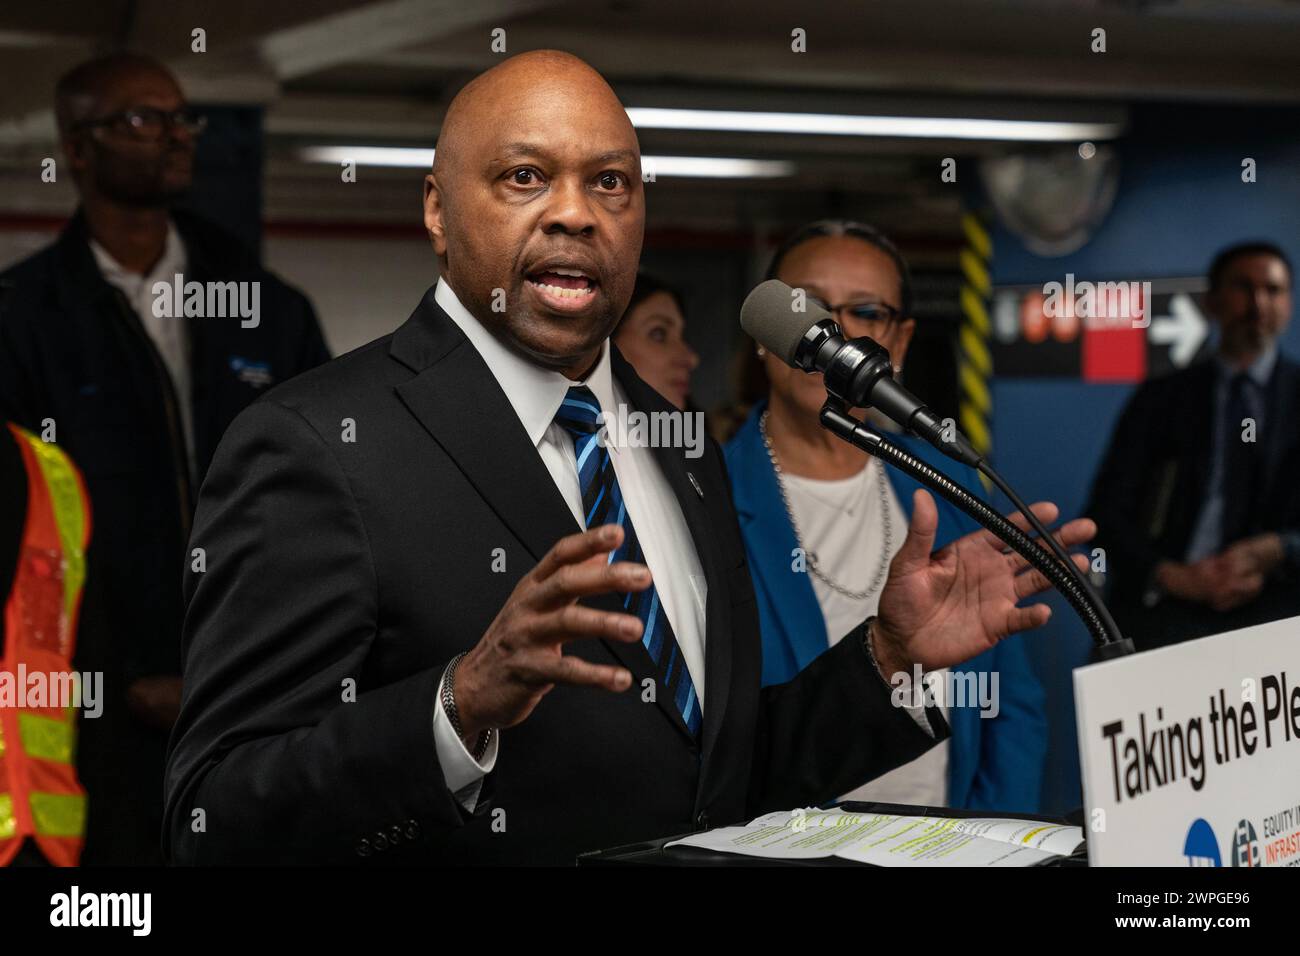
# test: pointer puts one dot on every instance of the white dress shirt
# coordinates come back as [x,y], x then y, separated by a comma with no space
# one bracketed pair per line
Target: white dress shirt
[167,333]
[842,522]
[535,395]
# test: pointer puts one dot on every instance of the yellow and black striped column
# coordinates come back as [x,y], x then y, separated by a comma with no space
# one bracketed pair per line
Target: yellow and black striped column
[974,362]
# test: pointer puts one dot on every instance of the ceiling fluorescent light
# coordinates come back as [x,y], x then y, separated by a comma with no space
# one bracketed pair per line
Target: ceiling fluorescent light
[408,157]
[830,124]
[714,167]
[711,167]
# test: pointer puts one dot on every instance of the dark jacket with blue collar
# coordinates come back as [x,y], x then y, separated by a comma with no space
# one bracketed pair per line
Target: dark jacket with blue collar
[72,351]
[994,763]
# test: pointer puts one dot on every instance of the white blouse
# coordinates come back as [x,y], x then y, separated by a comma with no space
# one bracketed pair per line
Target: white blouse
[842,522]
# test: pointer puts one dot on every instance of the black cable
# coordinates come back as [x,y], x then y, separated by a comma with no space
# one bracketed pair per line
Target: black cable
[1111,627]
[1044,561]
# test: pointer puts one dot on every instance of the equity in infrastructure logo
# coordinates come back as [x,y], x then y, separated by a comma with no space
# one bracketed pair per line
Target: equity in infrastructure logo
[1281,838]
[1245,845]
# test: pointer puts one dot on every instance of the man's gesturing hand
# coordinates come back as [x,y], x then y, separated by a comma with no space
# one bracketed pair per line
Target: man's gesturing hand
[520,658]
[940,609]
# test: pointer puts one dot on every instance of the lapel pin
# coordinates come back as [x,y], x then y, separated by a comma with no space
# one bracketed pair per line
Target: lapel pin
[696,485]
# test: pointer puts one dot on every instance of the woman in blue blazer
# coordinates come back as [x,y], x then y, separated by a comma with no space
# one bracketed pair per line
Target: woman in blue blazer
[993,763]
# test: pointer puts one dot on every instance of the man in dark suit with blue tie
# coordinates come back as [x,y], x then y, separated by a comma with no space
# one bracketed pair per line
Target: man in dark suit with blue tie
[406,648]
[1197,501]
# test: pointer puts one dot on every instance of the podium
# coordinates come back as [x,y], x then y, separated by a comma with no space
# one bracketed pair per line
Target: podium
[654,852]
[1190,752]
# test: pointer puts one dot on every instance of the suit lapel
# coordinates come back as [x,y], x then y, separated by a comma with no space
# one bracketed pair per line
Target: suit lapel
[677,470]
[457,400]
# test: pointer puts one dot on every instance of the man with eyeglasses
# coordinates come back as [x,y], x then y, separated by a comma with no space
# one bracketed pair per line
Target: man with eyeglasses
[89,358]
[1196,502]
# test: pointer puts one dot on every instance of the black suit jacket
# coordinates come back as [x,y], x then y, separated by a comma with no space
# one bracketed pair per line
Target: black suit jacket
[1153,482]
[371,561]
[73,350]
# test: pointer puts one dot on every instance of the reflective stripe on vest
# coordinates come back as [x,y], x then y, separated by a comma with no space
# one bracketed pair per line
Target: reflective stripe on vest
[40,796]
[70,520]
[46,738]
[59,814]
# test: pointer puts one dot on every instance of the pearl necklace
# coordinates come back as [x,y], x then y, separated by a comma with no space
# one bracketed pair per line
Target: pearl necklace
[813,566]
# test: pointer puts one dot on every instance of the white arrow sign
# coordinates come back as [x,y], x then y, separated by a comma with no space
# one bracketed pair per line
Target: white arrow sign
[1183,330]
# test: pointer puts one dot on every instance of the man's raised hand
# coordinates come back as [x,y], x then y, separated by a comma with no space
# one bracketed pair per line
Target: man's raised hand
[521,658]
[939,609]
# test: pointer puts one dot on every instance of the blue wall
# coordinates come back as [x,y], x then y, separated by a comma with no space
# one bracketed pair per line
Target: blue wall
[1180,200]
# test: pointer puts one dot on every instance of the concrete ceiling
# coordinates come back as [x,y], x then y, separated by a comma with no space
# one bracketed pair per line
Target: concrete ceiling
[346,72]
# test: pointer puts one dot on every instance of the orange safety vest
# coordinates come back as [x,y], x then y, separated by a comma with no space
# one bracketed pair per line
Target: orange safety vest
[40,797]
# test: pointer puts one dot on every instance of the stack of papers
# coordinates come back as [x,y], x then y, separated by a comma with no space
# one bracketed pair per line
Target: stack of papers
[884,839]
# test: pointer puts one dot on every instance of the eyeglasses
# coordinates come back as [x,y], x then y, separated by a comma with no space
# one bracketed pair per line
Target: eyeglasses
[148,124]
[872,313]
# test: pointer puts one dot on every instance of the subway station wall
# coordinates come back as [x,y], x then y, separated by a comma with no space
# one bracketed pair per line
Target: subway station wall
[1180,199]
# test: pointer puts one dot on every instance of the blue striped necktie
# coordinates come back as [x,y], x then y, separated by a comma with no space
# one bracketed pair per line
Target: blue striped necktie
[602,503]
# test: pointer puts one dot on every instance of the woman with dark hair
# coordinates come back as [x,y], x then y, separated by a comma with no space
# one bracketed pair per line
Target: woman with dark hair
[822,520]
[651,337]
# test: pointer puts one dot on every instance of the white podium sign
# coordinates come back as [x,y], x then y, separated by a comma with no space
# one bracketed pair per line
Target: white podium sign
[1191,753]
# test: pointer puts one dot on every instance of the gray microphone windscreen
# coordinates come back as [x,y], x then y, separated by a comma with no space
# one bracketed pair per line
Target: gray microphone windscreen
[770,319]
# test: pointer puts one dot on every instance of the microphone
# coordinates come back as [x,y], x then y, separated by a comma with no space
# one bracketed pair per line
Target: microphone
[857,371]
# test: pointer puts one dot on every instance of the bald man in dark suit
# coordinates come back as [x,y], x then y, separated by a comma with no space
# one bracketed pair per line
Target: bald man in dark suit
[443,620]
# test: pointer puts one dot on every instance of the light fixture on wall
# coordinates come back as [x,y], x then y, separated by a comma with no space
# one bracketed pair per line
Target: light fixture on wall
[1053,199]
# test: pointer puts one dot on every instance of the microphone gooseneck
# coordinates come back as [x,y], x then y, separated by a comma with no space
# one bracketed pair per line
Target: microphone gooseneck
[839,422]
